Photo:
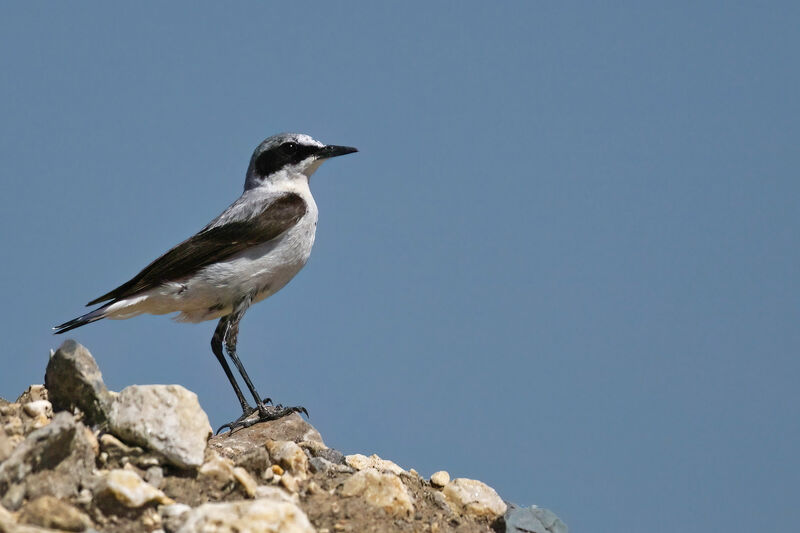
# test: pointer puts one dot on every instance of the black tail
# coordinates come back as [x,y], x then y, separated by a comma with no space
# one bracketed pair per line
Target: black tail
[92,316]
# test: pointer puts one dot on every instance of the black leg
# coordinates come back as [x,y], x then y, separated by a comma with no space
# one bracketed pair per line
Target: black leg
[216,347]
[231,338]
[229,335]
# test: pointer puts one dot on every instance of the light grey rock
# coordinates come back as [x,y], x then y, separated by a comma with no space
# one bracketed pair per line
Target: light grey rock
[57,459]
[532,520]
[50,512]
[261,515]
[73,380]
[362,462]
[166,419]
[290,456]
[127,488]
[473,497]
[440,478]
[380,489]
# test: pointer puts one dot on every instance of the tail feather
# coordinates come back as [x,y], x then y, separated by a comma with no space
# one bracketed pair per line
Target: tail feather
[92,316]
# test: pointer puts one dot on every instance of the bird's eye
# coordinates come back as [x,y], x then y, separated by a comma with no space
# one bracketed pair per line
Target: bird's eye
[290,146]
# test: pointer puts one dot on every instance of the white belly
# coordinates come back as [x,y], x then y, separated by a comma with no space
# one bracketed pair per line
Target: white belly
[212,292]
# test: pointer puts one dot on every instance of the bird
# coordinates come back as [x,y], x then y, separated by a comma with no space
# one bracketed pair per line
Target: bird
[245,255]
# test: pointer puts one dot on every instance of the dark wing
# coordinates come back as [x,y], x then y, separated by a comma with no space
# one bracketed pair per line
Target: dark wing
[213,244]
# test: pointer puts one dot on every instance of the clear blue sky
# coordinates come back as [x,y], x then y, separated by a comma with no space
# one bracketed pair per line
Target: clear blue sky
[565,261]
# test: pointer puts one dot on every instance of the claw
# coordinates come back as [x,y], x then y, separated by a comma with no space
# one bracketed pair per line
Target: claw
[264,414]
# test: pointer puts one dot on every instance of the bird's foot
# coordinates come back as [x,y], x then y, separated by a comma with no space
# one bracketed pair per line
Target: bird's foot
[261,413]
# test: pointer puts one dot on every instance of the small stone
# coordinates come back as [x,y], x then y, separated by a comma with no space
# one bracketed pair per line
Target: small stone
[320,464]
[274,493]
[383,490]
[129,489]
[73,380]
[473,497]
[440,478]
[290,456]
[50,512]
[277,470]
[167,419]
[173,509]
[38,408]
[329,454]
[290,483]
[245,480]
[217,468]
[360,462]
[262,515]
[155,476]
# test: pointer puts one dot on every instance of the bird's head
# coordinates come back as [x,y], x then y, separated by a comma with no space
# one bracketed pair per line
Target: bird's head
[288,156]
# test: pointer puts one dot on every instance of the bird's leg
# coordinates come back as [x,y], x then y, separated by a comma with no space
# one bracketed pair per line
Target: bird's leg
[230,338]
[216,347]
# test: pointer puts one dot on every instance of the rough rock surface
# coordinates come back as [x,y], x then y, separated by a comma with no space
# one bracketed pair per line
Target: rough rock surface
[260,516]
[472,497]
[71,471]
[73,379]
[167,419]
[380,489]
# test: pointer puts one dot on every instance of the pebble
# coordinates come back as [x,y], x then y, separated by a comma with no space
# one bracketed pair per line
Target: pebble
[290,456]
[129,489]
[246,481]
[218,468]
[262,515]
[360,462]
[440,478]
[472,497]
[380,489]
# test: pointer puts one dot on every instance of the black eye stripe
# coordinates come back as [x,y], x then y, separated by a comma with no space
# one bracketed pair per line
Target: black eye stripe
[289,153]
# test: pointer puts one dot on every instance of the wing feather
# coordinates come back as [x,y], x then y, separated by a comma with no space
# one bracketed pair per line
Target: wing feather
[213,244]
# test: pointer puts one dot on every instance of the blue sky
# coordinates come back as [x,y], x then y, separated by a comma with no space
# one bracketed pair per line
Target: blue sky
[564,261]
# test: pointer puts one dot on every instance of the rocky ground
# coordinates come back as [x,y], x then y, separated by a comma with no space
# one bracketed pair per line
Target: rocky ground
[75,456]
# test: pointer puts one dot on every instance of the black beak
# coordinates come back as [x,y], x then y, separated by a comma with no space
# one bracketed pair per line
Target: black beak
[334,151]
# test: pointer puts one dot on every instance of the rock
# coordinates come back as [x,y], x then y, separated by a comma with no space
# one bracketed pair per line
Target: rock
[246,481]
[258,516]
[474,498]
[34,393]
[127,488]
[56,460]
[292,427]
[360,462]
[155,476]
[380,489]
[73,380]
[167,419]
[217,468]
[440,478]
[329,454]
[274,493]
[50,512]
[39,408]
[255,461]
[290,456]
[532,519]
[320,464]
[290,483]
